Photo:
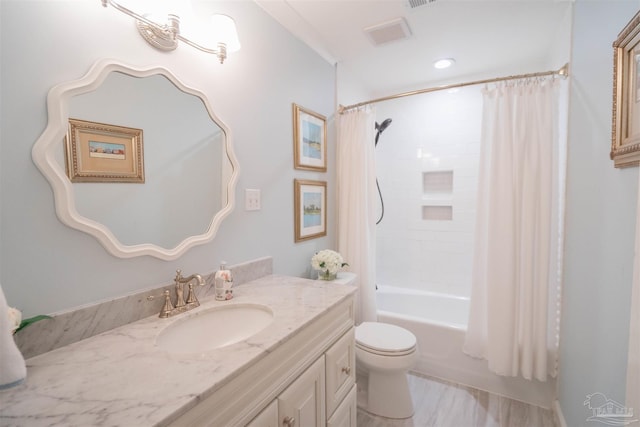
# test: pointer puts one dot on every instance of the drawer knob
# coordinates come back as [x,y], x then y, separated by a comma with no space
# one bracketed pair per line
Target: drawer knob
[346,370]
[289,422]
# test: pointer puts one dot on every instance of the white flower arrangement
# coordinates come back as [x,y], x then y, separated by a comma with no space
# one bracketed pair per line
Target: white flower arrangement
[328,262]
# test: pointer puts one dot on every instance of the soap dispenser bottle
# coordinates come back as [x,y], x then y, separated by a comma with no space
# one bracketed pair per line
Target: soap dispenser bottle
[223,283]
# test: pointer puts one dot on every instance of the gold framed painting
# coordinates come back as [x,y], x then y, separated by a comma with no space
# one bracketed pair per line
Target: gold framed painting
[625,133]
[98,152]
[310,204]
[309,140]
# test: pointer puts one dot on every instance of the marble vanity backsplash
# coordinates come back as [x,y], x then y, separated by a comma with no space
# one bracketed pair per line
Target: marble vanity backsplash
[75,325]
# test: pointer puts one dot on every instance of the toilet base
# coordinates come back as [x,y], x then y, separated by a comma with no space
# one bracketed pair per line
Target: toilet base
[385,395]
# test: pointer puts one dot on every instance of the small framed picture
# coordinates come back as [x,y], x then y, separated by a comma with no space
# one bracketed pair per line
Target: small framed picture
[310,204]
[309,140]
[98,152]
[625,135]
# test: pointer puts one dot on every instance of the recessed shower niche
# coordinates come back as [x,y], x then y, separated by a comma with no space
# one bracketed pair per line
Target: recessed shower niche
[437,189]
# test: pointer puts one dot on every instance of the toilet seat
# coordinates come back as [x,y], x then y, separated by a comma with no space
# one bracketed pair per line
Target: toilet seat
[384,339]
[385,353]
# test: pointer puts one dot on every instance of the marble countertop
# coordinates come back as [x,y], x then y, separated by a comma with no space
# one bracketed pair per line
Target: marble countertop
[121,378]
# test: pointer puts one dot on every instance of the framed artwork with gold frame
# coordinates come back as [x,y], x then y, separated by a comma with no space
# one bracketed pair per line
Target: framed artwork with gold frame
[309,140]
[625,131]
[310,204]
[98,152]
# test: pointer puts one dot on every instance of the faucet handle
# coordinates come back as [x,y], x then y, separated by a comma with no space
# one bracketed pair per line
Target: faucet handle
[192,300]
[168,307]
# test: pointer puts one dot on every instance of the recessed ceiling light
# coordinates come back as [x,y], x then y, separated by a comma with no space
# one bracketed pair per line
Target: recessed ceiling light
[444,63]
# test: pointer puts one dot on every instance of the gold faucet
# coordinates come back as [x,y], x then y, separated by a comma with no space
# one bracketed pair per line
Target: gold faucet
[181,306]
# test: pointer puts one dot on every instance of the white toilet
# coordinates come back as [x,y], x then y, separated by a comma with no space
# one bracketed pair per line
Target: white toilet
[385,353]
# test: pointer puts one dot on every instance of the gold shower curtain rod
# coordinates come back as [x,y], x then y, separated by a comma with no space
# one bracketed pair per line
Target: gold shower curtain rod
[564,71]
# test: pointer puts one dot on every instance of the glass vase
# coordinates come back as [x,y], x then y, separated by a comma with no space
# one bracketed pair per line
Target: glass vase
[325,275]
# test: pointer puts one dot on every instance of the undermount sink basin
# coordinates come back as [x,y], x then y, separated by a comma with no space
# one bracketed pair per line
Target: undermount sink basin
[214,328]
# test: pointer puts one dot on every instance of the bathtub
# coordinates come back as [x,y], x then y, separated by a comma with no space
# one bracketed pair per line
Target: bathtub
[439,322]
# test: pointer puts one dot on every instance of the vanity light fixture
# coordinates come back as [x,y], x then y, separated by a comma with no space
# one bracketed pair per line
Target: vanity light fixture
[444,63]
[166,36]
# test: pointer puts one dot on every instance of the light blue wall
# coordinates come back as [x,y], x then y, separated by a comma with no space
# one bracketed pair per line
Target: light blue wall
[48,267]
[600,221]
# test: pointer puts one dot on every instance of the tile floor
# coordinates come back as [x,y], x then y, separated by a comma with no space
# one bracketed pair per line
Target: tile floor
[441,404]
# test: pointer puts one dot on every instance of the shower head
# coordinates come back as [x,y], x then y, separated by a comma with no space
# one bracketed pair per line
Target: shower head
[381,127]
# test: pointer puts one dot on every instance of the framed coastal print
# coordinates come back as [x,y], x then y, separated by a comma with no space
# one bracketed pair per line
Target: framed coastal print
[309,140]
[625,134]
[98,152]
[310,204]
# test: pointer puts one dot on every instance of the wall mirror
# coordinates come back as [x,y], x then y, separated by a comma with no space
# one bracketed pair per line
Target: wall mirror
[190,169]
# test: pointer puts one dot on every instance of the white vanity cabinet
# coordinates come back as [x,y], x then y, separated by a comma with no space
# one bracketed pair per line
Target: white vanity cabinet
[302,403]
[340,362]
[307,381]
[327,387]
[345,414]
[299,366]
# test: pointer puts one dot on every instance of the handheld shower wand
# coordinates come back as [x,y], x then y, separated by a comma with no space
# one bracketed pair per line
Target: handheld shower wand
[379,129]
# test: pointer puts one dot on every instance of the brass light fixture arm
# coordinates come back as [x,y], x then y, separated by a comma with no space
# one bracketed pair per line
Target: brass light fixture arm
[164,37]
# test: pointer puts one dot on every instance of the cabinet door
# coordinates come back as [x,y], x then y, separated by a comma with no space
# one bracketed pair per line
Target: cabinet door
[302,403]
[341,370]
[345,414]
[267,418]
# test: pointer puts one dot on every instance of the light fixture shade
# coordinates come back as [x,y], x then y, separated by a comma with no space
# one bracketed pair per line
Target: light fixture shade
[224,31]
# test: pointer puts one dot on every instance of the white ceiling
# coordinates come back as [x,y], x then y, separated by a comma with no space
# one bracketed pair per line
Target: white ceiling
[486,38]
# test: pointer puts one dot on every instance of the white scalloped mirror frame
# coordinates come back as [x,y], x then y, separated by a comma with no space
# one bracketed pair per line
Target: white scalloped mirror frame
[44,156]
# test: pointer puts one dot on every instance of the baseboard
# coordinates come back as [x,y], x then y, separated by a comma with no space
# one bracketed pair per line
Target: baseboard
[475,373]
[558,418]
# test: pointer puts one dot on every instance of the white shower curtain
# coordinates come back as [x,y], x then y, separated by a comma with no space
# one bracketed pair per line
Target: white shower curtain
[518,231]
[356,204]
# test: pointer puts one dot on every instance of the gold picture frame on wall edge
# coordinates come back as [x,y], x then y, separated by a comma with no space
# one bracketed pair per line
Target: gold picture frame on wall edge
[309,140]
[625,129]
[310,209]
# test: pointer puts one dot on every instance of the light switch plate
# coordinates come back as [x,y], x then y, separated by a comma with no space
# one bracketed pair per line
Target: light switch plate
[252,199]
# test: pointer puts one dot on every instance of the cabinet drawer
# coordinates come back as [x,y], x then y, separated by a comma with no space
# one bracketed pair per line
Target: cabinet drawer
[267,418]
[302,404]
[346,413]
[340,370]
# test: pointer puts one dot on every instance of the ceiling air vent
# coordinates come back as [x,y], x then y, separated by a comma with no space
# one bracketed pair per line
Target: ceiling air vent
[396,29]
[417,3]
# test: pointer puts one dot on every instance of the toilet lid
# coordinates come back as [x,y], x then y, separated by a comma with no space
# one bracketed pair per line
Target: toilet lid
[383,337]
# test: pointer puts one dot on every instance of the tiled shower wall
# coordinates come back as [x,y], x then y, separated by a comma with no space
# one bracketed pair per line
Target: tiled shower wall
[427,168]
